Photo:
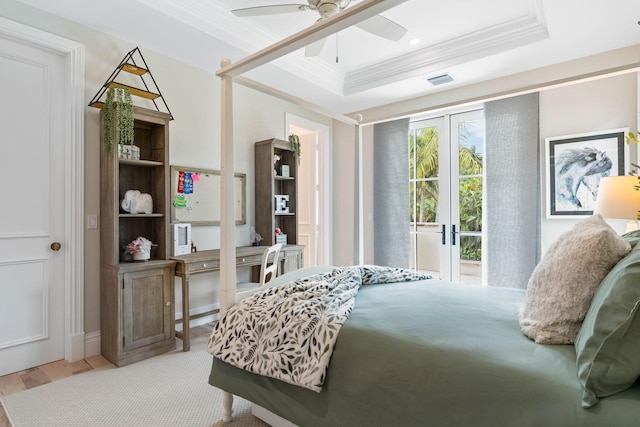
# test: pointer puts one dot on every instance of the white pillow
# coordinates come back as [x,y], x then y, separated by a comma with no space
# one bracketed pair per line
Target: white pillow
[562,285]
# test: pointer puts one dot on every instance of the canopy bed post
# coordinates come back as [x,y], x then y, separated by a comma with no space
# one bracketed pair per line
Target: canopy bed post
[320,30]
[227,216]
[359,215]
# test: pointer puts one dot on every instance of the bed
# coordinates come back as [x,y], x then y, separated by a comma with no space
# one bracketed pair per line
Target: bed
[430,352]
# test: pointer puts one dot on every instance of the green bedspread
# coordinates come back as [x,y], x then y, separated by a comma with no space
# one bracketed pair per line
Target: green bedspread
[439,354]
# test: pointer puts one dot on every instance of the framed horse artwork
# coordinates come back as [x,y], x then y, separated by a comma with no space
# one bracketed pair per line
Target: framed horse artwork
[576,163]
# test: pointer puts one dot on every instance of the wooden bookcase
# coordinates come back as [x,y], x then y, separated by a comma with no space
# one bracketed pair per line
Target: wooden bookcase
[269,182]
[137,298]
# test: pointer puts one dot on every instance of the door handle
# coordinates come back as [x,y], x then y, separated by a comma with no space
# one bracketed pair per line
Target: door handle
[55,246]
[444,234]
[453,234]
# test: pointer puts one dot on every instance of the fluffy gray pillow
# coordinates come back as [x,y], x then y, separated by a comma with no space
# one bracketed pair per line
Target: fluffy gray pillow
[562,285]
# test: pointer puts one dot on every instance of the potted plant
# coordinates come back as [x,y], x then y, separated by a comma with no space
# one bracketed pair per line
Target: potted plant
[294,140]
[140,248]
[118,119]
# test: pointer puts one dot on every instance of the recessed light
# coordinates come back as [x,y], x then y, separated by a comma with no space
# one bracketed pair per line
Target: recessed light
[414,42]
[441,79]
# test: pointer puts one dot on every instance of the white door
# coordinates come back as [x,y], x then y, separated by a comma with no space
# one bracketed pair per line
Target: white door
[307,195]
[32,169]
[446,184]
[313,203]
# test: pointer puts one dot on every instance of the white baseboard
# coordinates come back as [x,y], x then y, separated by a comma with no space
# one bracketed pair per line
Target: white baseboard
[92,344]
[201,320]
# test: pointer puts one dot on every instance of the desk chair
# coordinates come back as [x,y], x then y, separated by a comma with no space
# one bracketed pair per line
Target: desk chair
[268,272]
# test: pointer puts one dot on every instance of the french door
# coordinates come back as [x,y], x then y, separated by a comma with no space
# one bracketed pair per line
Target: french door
[446,186]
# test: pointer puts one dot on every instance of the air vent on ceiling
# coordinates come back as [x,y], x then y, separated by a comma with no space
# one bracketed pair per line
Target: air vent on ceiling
[439,80]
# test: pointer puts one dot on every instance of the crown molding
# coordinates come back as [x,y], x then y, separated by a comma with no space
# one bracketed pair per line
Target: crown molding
[215,20]
[498,38]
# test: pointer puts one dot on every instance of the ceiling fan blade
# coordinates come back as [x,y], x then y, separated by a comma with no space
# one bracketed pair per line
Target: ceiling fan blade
[315,48]
[383,27]
[273,9]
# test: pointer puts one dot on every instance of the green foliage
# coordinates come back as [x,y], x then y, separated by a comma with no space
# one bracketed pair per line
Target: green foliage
[294,140]
[423,169]
[118,118]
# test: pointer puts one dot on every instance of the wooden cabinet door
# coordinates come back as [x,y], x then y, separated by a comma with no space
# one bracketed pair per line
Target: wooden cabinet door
[147,307]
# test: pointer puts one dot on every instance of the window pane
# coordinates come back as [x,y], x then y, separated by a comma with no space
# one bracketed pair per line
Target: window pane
[426,152]
[471,142]
[471,248]
[412,203]
[471,204]
[428,249]
[426,201]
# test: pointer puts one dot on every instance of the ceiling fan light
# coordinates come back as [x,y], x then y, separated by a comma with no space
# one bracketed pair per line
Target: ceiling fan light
[439,80]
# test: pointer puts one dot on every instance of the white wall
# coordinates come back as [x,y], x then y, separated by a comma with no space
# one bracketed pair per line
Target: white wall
[193,95]
[598,105]
[344,178]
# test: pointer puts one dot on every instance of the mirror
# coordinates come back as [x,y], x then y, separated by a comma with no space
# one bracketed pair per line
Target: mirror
[195,196]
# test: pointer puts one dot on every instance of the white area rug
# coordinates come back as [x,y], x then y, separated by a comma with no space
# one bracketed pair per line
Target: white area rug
[167,390]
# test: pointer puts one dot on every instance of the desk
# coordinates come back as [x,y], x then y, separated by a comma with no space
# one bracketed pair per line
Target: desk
[291,257]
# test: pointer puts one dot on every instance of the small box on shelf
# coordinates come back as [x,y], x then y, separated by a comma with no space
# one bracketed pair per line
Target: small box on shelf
[281,238]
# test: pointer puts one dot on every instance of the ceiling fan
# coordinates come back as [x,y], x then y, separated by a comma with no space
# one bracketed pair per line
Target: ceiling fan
[377,24]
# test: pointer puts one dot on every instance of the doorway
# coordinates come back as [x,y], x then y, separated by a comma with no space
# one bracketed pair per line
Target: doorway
[41,239]
[447,196]
[313,198]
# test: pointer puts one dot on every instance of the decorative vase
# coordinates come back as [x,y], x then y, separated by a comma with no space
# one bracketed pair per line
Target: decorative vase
[143,253]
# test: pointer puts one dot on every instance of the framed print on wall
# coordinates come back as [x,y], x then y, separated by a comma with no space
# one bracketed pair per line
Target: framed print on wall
[576,163]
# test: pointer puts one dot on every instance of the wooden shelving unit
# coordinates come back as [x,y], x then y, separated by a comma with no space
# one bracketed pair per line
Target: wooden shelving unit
[137,298]
[129,64]
[268,184]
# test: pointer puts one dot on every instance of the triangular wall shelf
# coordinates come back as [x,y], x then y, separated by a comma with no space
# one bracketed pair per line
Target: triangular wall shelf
[128,64]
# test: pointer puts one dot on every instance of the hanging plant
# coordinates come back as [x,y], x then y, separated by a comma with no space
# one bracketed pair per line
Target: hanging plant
[294,140]
[118,118]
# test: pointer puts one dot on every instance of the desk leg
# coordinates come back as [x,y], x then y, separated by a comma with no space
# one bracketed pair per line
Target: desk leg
[186,343]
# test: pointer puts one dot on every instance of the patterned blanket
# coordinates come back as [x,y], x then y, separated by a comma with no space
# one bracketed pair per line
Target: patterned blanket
[288,332]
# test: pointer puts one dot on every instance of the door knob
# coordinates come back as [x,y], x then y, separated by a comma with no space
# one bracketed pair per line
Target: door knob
[56,246]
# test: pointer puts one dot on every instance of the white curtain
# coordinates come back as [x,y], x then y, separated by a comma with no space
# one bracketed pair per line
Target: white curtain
[513,198]
[391,193]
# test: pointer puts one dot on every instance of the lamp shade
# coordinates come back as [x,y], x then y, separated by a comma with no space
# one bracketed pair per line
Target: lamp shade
[618,198]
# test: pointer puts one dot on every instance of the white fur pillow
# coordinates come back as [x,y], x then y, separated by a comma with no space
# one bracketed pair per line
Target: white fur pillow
[562,285]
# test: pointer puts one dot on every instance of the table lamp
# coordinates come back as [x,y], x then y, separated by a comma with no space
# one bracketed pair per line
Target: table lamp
[619,199]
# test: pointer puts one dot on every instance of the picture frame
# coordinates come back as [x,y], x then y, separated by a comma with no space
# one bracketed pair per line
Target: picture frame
[574,165]
[202,205]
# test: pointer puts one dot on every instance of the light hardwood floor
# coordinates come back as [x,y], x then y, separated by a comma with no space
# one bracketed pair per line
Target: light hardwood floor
[44,374]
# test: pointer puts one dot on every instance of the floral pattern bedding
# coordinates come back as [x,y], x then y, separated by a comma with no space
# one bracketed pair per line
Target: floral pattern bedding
[288,332]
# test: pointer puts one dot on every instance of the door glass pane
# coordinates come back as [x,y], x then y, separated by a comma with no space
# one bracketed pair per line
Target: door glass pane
[424,187]
[426,159]
[428,249]
[471,204]
[470,162]
[471,259]
[470,146]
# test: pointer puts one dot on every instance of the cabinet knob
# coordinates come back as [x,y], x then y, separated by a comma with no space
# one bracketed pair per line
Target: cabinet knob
[168,303]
